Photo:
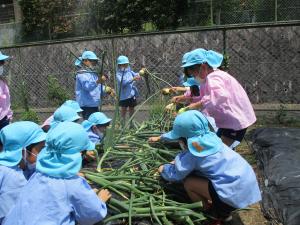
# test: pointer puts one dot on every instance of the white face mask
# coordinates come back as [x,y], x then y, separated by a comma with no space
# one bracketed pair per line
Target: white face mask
[1,70]
[182,145]
[29,166]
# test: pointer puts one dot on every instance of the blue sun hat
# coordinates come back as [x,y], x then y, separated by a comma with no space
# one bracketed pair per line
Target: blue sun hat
[3,57]
[97,118]
[64,113]
[73,104]
[122,59]
[214,59]
[193,126]
[89,55]
[197,56]
[17,136]
[78,62]
[190,82]
[61,158]
[184,57]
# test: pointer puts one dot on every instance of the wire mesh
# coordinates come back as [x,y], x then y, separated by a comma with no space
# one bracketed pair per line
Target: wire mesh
[264,60]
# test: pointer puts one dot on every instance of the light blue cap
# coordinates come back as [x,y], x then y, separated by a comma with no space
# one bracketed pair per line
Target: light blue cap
[214,59]
[122,59]
[197,56]
[190,82]
[184,57]
[64,113]
[73,104]
[200,56]
[17,136]
[89,55]
[97,118]
[78,61]
[3,57]
[193,126]
[61,158]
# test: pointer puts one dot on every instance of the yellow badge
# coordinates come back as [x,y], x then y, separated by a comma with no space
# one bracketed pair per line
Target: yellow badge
[198,147]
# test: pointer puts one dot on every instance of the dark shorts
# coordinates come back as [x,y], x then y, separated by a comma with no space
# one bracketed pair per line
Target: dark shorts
[236,135]
[129,102]
[4,122]
[222,209]
[87,111]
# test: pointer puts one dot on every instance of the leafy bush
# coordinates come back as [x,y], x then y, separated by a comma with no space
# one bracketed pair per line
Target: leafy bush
[30,115]
[56,93]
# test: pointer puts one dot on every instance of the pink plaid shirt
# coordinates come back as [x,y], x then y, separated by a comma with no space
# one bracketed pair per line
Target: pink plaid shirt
[4,101]
[224,99]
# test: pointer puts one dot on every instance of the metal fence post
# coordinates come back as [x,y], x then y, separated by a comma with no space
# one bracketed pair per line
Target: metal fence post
[211,13]
[224,41]
[276,11]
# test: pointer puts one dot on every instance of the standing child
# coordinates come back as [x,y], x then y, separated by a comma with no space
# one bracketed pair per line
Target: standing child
[88,85]
[5,111]
[211,171]
[128,92]
[55,194]
[15,139]
[96,126]
[221,96]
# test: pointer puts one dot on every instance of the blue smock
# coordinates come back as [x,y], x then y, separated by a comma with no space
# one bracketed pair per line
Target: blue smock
[52,201]
[12,181]
[94,137]
[28,171]
[87,89]
[128,88]
[232,177]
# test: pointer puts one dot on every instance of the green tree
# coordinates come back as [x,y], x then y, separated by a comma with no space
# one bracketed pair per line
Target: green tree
[46,19]
[121,16]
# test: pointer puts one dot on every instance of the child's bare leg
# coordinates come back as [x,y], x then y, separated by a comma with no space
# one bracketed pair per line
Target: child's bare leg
[131,111]
[123,115]
[197,190]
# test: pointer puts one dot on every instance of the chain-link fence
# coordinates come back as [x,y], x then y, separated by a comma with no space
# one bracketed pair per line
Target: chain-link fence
[265,60]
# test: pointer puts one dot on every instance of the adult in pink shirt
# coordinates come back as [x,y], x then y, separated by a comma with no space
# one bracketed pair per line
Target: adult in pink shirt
[5,111]
[221,95]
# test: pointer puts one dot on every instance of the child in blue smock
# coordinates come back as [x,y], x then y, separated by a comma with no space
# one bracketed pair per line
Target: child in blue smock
[62,114]
[211,171]
[128,91]
[88,87]
[96,126]
[70,103]
[55,194]
[15,139]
